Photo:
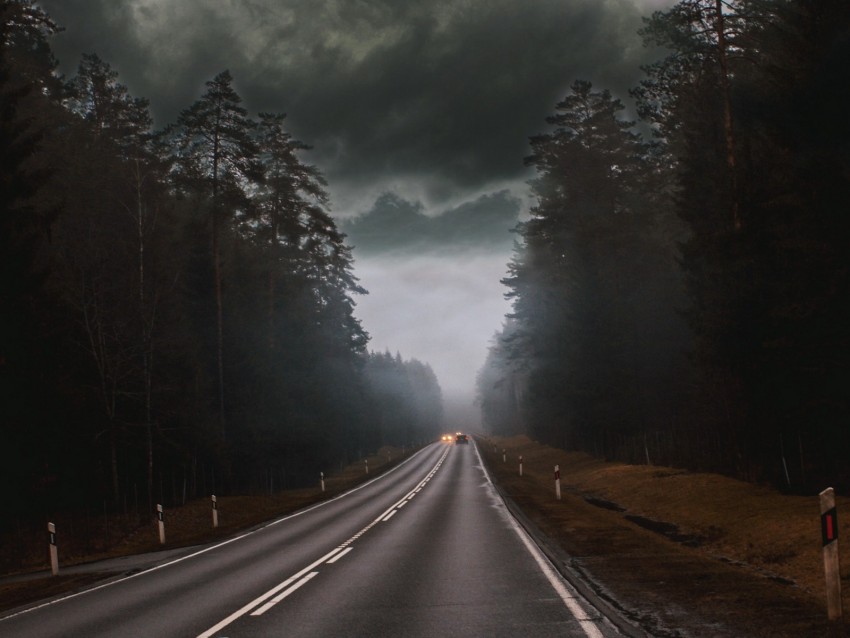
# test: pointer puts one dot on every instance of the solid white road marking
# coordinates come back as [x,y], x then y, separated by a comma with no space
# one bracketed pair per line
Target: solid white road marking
[587,623]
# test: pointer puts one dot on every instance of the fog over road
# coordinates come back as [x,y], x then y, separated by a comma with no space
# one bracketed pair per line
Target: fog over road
[427,549]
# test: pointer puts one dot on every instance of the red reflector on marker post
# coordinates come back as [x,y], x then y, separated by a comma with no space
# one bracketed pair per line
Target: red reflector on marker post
[829,534]
[829,526]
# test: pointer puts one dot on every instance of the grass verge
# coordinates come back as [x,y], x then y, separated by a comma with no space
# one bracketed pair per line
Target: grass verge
[23,561]
[701,553]
[683,547]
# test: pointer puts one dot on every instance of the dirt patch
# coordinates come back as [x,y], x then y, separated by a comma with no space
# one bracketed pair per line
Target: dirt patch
[684,554]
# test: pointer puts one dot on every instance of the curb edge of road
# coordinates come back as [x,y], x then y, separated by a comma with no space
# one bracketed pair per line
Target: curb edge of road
[615,613]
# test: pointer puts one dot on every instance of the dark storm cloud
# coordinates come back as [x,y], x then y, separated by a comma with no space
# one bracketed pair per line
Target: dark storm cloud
[395,224]
[419,113]
[444,92]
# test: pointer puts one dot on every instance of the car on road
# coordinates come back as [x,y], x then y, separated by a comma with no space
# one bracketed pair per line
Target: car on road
[461,438]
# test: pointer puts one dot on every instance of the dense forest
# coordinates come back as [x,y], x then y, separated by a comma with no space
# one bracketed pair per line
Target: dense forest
[176,305]
[680,288]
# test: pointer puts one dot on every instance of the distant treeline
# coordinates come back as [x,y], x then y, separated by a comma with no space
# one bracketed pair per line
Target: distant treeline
[680,291]
[176,306]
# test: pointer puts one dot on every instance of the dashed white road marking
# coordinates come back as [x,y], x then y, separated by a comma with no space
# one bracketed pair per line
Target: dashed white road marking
[170,563]
[274,601]
[261,599]
[305,575]
[338,556]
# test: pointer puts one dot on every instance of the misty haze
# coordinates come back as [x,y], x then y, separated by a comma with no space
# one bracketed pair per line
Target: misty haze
[422,293]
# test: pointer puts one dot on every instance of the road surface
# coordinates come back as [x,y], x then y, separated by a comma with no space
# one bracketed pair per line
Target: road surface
[427,549]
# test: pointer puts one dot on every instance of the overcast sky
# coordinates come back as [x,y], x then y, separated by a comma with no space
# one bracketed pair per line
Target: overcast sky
[418,111]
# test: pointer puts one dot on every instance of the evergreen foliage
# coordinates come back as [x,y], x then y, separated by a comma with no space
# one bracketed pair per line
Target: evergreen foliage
[176,306]
[410,407]
[729,216]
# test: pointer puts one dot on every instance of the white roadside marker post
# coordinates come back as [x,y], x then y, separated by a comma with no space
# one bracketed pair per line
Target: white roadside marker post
[558,482]
[160,524]
[520,464]
[322,480]
[215,511]
[504,457]
[829,534]
[54,551]
[366,461]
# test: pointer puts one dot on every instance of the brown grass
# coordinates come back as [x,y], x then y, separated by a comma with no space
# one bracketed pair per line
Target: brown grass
[754,527]
[185,526]
[721,528]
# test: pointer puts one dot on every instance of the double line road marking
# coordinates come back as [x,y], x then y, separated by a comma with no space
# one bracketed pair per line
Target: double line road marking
[266,601]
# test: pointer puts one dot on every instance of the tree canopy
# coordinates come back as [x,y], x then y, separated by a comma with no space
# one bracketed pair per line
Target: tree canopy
[176,306]
[678,295]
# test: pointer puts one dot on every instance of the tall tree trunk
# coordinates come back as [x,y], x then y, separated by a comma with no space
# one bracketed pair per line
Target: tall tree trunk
[272,287]
[113,453]
[106,376]
[216,250]
[731,160]
[147,329]
[271,310]
[219,324]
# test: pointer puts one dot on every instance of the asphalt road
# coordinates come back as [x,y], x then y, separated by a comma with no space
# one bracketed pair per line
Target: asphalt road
[427,549]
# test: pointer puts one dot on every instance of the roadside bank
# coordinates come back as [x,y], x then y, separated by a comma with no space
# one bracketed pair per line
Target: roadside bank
[681,553]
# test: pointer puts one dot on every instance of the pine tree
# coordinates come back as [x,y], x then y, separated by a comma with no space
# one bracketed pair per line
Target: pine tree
[291,192]
[761,266]
[110,193]
[30,322]
[96,96]
[566,280]
[117,127]
[217,159]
